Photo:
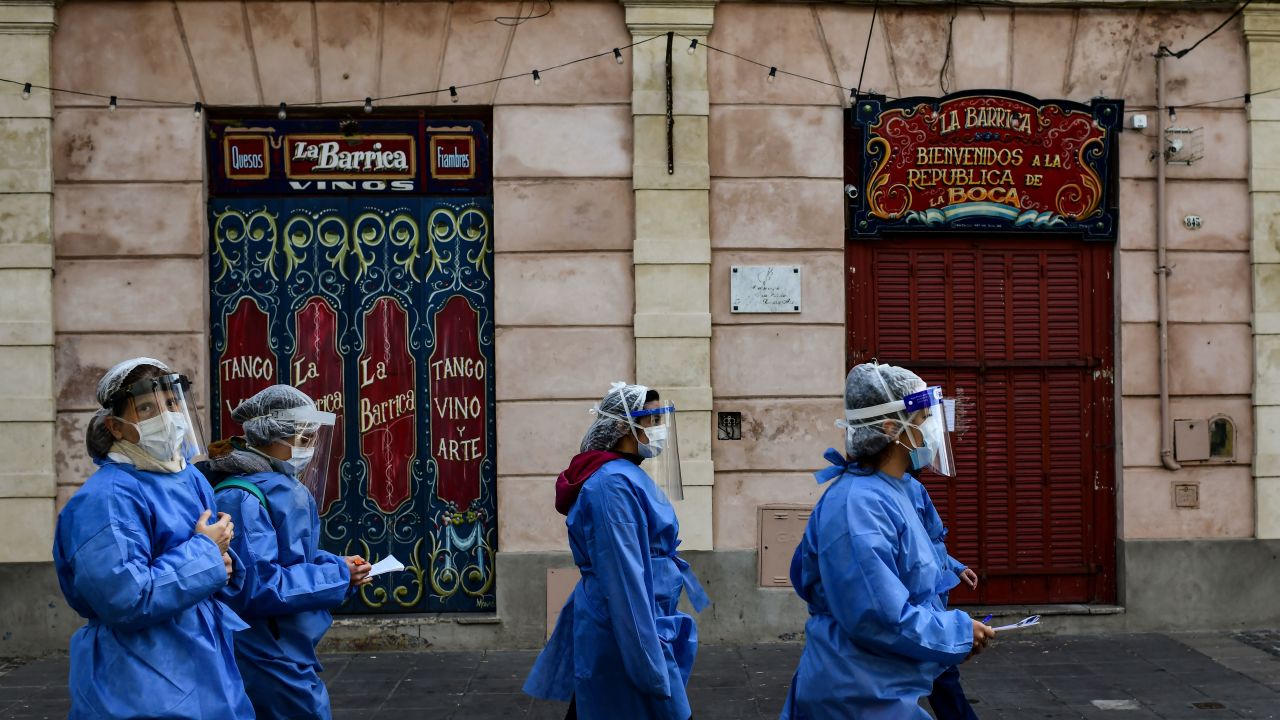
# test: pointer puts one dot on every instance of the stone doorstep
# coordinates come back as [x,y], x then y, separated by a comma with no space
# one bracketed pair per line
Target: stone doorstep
[1017,612]
[414,620]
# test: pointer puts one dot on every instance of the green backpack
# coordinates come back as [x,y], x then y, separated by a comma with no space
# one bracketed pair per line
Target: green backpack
[240,483]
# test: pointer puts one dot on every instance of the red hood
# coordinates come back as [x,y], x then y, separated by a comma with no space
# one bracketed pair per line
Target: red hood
[583,466]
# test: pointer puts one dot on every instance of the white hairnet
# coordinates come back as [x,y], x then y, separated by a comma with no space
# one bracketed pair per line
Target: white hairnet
[254,414]
[868,385]
[112,382]
[605,432]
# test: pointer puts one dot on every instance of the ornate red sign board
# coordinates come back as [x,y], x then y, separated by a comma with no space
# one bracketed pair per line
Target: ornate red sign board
[987,161]
[459,418]
[387,398]
[247,364]
[317,371]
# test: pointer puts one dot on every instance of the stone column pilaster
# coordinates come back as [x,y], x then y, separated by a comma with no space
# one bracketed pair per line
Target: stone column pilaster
[1262,33]
[672,252]
[27,484]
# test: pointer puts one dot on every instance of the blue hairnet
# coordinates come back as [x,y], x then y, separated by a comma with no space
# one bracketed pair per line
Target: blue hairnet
[606,431]
[254,414]
[868,385]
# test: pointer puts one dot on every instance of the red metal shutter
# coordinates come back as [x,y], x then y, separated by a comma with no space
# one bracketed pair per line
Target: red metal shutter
[1017,332]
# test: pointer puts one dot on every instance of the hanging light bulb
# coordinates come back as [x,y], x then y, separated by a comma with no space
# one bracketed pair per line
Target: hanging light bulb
[773,74]
[537,79]
[26,91]
[111,104]
[199,109]
[1173,115]
[1248,100]
[853,94]
[453,93]
[617,55]
[283,112]
[368,105]
[693,46]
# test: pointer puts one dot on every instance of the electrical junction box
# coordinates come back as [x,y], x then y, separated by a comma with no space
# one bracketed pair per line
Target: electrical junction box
[781,527]
[1190,440]
[560,584]
[1186,495]
[1139,122]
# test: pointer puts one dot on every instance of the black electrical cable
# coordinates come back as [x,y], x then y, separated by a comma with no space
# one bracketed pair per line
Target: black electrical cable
[866,50]
[1196,44]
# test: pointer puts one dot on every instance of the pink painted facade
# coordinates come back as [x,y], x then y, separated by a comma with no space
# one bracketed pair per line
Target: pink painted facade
[131,242]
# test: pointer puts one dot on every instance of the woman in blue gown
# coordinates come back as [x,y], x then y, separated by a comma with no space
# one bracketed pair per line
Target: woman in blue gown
[877,634]
[136,557]
[265,481]
[621,648]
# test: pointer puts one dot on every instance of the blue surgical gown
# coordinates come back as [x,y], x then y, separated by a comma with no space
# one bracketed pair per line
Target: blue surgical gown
[951,567]
[620,647]
[290,586]
[158,642]
[877,634]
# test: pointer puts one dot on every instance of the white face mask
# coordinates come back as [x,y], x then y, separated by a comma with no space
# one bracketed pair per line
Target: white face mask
[162,435]
[657,441]
[299,458]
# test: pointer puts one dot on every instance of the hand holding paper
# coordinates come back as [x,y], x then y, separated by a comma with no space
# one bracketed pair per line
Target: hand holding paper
[386,565]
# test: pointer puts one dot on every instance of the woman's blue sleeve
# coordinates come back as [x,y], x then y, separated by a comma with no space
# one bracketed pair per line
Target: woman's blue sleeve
[129,589]
[270,588]
[870,601]
[620,535]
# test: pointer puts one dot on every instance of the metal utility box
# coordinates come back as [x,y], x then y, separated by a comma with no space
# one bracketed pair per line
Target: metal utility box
[560,584]
[1190,440]
[781,527]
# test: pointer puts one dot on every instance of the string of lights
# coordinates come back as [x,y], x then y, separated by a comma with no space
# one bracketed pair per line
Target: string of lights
[536,75]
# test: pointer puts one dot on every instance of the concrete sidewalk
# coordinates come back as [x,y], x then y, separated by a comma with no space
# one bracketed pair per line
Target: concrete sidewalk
[1123,677]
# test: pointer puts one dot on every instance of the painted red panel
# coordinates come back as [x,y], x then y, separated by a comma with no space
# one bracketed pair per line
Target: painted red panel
[387,402]
[247,364]
[458,408]
[317,371]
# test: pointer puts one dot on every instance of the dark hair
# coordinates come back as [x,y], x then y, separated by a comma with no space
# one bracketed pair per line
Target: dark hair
[651,396]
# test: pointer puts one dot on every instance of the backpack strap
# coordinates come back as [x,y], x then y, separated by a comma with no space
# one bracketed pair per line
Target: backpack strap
[240,483]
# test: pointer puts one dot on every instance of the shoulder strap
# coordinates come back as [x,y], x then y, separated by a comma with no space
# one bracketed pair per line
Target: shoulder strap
[240,483]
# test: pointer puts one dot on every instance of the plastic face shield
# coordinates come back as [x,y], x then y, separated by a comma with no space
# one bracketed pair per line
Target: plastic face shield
[166,399]
[659,426]
[927,412]
[313,436]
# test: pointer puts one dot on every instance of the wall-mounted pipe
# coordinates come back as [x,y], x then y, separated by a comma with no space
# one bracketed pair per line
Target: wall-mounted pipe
[1162,272]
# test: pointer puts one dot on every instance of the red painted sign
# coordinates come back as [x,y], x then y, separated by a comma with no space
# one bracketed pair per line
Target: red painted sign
[317,371]
[247,363]
[246,157]
[358,157]
[387,398]
[453,157]
[458,409]
[1003,159]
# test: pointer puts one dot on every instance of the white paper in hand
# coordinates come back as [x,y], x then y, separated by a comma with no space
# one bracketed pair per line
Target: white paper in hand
[1025,622]
[386,565]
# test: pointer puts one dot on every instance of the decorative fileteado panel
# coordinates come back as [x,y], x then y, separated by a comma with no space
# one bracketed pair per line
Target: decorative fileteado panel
[355,262]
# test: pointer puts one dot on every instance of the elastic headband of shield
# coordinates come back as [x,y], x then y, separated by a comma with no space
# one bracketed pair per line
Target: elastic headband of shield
[929,397]
[654,411]
[304,414]
[154,384]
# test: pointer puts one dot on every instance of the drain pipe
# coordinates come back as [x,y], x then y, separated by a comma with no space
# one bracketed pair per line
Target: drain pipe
[1162,272]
